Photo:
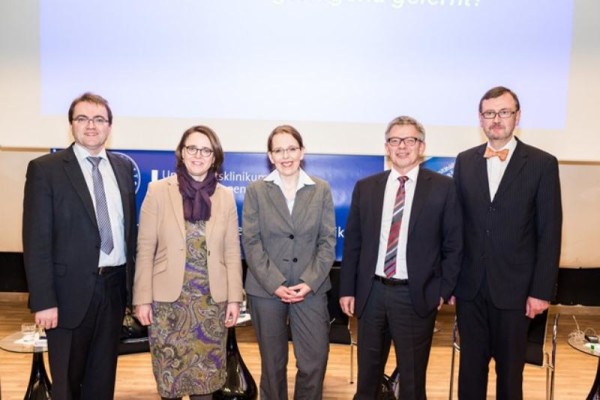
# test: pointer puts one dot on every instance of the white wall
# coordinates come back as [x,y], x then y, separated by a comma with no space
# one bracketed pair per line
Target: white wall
[22,125]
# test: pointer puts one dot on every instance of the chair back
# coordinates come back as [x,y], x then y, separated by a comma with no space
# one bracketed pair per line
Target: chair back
[338,332]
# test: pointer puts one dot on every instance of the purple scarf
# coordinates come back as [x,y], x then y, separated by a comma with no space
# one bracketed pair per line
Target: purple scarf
[196,195]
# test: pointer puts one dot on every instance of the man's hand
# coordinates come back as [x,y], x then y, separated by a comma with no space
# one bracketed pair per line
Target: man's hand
[347,305]
[535,306]
[47,318]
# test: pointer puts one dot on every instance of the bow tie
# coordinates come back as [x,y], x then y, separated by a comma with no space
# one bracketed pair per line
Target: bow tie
[501,154]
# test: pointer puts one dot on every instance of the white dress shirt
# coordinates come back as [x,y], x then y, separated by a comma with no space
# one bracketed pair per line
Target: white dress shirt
[496,168]
[303,180]
[113,200]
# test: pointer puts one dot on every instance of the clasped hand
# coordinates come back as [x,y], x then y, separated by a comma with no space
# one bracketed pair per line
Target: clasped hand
[293,294]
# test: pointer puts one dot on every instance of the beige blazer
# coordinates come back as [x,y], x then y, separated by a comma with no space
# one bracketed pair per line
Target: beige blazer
[161,247]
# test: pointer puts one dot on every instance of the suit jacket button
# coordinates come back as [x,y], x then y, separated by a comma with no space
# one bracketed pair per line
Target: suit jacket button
[295,259]
[291,236]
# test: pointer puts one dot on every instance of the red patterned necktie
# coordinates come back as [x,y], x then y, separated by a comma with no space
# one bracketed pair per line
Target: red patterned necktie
[501,154]
[389,267]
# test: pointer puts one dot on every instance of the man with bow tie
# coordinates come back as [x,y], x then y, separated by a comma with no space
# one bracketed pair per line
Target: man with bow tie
[510,197]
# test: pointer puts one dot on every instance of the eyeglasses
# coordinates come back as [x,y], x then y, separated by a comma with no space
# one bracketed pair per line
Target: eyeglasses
[193,150]
[501,114]
[408,141]
[83,120]
[292,151]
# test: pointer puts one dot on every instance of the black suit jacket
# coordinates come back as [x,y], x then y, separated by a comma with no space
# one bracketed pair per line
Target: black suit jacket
[61,242]
[515,239]
[434,247]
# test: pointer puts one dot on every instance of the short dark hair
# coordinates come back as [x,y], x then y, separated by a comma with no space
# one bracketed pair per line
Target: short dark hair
[290,130]
[214,142]
[406,120]
[496,92]
[88,97]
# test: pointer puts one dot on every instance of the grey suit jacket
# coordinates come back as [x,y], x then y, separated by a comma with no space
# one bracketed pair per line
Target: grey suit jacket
[284,249]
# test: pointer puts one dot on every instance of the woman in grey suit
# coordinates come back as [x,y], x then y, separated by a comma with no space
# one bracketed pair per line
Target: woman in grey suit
[289,242]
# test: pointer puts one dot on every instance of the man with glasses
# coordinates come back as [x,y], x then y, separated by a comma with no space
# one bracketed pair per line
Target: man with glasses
[402,253]
[79,233]
[510,198]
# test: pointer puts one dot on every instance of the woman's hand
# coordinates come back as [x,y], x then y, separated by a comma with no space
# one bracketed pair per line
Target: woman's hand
[143,312]
[285,293]
[232,314]
[293,294]
[300,290]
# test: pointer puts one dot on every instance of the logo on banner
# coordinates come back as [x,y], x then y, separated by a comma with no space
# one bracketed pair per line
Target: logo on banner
[137,176]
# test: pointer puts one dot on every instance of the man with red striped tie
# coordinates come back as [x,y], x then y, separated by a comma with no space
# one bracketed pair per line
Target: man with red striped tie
[402,253]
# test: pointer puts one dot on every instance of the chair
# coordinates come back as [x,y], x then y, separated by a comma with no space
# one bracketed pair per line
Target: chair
[134,336]
[535,352]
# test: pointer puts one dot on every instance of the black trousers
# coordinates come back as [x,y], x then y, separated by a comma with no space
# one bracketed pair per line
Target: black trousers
[83,360]
[488,332]
[389,314]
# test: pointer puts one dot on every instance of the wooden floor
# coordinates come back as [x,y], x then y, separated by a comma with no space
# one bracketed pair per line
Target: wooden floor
[575,371]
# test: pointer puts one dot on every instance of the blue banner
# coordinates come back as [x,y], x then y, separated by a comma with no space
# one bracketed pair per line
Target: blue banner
[239,169]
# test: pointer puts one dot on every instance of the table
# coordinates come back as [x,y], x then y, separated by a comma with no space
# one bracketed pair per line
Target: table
[591,350]
[39,386]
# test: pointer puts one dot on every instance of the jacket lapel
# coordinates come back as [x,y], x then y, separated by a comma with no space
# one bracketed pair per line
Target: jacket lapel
[421,193]
[279,203]
[480,170]
[378,195]
[303,198]
[513,169]
[176,203]
[75,175]
[122,172]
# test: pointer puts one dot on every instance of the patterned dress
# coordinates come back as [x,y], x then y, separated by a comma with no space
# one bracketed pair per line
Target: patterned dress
[187,338]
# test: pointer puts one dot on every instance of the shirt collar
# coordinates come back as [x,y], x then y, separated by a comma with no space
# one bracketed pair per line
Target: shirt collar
[511,145]
[82,153]
[303,179]
[412,174]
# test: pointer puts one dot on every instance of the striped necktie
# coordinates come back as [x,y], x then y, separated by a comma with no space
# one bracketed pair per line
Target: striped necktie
[106,239]
[389,267]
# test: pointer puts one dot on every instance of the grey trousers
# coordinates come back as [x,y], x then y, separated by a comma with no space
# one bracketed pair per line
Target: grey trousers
[309,324]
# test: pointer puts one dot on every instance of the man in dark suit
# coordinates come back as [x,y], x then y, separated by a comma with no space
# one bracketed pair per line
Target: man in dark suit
[79,234]
[510,198]
[402,252]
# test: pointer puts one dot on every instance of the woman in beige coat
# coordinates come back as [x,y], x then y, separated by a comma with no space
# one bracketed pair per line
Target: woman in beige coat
[188,279]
